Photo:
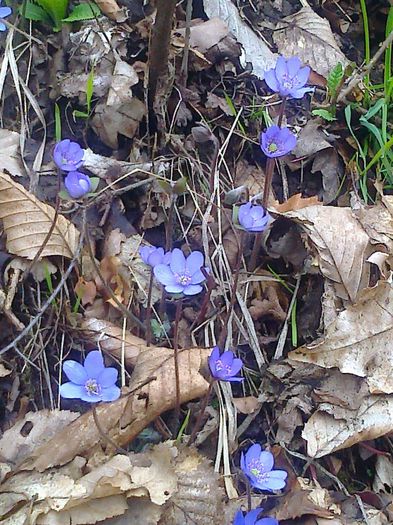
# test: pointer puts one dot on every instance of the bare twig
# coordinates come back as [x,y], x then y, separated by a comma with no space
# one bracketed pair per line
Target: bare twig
[186,51]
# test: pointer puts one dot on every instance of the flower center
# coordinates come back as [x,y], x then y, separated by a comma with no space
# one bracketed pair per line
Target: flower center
[272,147]
[256,469]
[287,82]
[92,387]
[183,278]
[220,366]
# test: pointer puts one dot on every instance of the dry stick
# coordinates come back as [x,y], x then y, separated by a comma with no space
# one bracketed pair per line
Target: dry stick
[122,308]
[179,305]
[224,331]
[48,302]
[357,77]
[159,47]
[198,422]
[104,435]
[148,311]
[186,52]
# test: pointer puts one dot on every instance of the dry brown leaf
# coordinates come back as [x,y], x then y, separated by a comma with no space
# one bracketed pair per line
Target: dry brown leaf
[359,340]
[296,202]
[125,418]
[113,341]
[27,222]
[342,244]
[124,77]
[15,444]
[111,9]
[308,36]
[303,499]
[331,428]
[4,371]
[246,405]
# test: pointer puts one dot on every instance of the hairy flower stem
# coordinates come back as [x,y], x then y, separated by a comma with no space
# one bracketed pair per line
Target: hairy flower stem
[179,305]
[202,312]
[103,434]
[266,191]
[202,410]
[148,310]
[224,331]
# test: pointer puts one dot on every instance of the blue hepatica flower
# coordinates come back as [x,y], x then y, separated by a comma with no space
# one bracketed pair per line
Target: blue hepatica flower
[224,366]
[257,465]
[288,78]
[277,142]
[4,12]
[91,381]
[251,518]
[182,274]
[253,218]
[153,256]
[77,184]
[68,155]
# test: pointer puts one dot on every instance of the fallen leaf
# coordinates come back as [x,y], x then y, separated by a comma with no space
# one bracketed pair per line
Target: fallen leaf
[328,163]
[342,245]
[359,340]
[124,419]
[4,371]
[111,9]
[27,221]
[309,37]
[124,77]
[246,405]
[383,480]
[113,340]
[255,49]
[330,429]
[310,140]
[10,159]
[296,202]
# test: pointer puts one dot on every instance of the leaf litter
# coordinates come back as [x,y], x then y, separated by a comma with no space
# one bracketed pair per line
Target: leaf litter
[299,290]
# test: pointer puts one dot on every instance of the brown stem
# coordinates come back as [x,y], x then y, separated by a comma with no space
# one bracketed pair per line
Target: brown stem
[198,422]
[282,110]
[186,51]
[159,46]
[202,312]
[224,331]
[108,439]
[148,310]
[169,224]
[179,305]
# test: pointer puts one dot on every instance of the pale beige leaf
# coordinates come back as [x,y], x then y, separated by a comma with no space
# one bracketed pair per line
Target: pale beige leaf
[9,152]
[4,371]
[342,245]
[328,432]
[359,340]
[113,341]
[112,10]
[309,37]
[125,418]
[27,221]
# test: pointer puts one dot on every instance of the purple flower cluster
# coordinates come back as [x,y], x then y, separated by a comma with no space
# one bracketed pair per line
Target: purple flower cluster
[225,366]
[257,465]
[92,381]
[288,78]
[68,156]
[4,12]
[253,218]
[178,274]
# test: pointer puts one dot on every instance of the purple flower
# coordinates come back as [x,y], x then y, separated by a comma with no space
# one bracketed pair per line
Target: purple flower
[253,218]
[225,366]
[251,518]
[91,381]
[257,465]
[68,155]
[288,78]
[152,256]
[181,274]
[77,184]
[276,142]
[4,11]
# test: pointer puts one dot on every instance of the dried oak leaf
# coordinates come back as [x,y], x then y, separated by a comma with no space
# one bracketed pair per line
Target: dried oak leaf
[296,202]
[308,36]
[111,9]
[342,245]
[139,405]
[358,341]
[27,221]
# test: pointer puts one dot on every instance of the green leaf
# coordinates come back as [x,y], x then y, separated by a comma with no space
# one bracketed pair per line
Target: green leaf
[56,9]
[57,123]
[325,114]
[94,181]
[334,79]
[80,114]
[85,11]
[36,13]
